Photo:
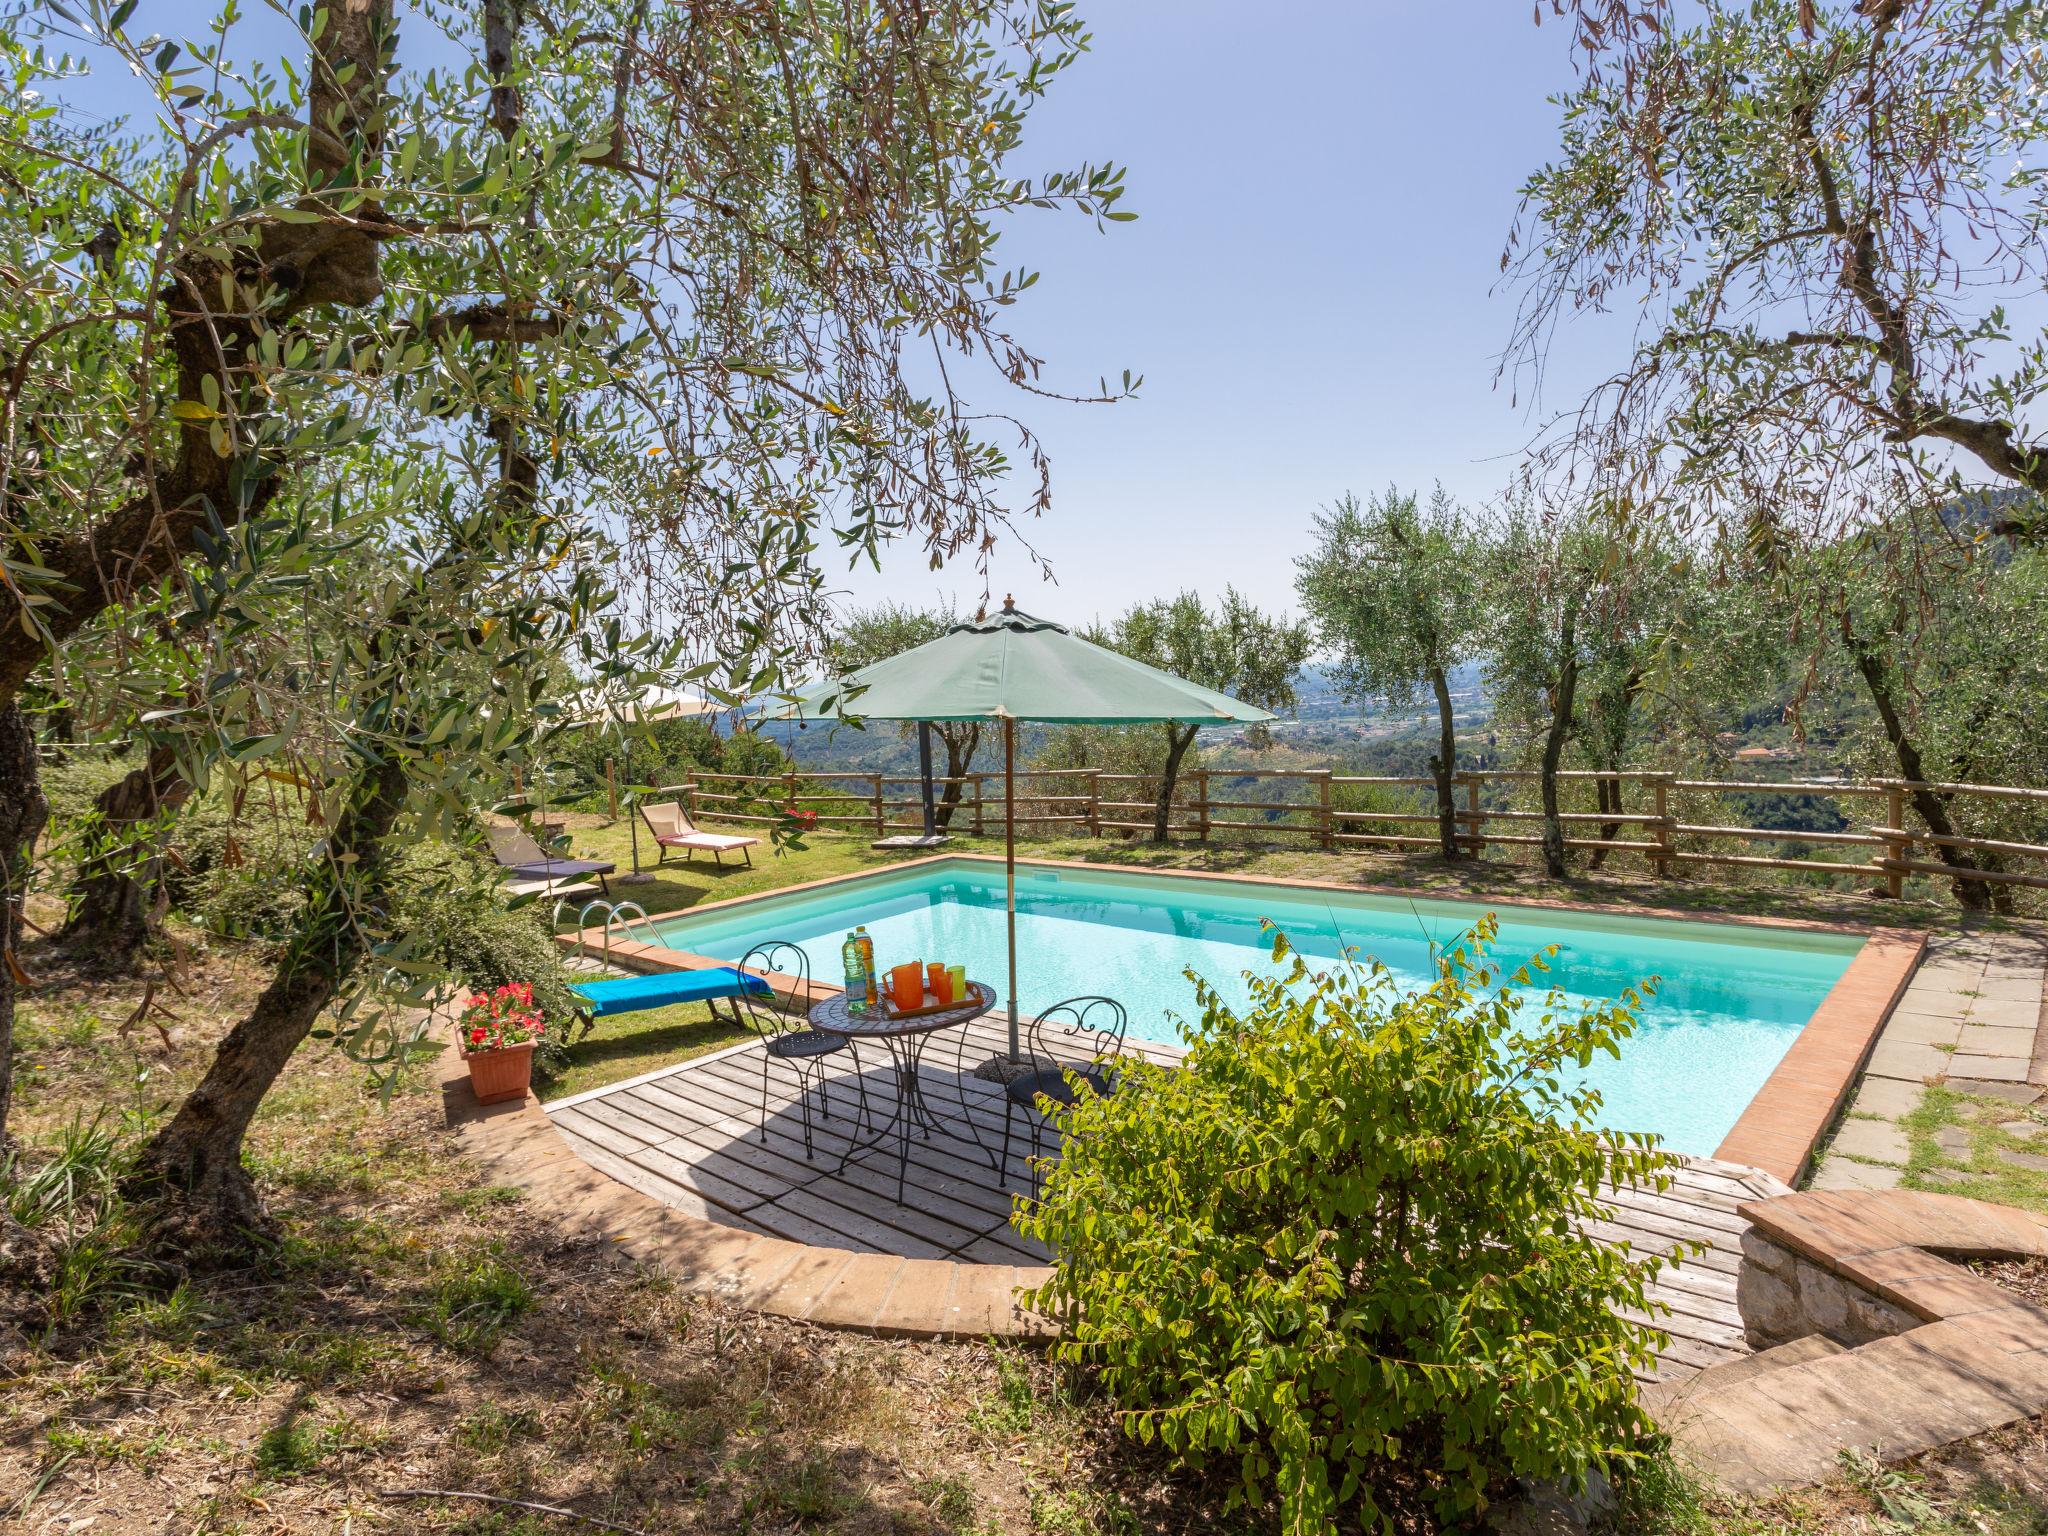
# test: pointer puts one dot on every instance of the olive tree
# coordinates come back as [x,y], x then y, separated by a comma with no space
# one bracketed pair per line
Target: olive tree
[1828,216]
[1580,610]
[1943,644]
[1233,648]
[1393,588]
[660,265]
[868,635]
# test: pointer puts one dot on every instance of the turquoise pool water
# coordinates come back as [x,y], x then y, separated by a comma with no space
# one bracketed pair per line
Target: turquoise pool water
[1730,997]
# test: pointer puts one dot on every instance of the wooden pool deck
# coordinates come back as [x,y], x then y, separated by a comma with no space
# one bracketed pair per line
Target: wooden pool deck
[690,1137]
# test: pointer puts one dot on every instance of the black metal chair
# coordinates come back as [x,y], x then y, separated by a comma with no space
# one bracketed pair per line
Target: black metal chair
[786,1034]
[1100,1020]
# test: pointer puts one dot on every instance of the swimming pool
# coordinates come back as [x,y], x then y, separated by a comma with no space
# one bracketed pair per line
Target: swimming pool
[1730,1000]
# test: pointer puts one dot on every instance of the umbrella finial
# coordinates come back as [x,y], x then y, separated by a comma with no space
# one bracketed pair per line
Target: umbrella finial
[1009,603]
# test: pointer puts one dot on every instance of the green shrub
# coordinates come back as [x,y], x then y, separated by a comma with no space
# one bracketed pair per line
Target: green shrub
[1334,1251]
[452,908]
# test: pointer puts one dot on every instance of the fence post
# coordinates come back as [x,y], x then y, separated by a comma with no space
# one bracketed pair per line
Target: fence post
[881,816]
[1095,802]
[611,789]
[690,794]
[1475,819]
[979,780]
[1660,788]
[1896,848]
[1202,804]
[1326,829]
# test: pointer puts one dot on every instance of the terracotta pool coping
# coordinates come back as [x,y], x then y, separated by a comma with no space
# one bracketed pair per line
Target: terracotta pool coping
[1777,1131]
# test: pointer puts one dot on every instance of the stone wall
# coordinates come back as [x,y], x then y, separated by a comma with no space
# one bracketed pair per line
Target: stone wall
[1783,1297]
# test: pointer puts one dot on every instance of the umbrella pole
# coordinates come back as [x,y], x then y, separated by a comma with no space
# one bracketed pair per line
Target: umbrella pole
[634,825]
[1010,863]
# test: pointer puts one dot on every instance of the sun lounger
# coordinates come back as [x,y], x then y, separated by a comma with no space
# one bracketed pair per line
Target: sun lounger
[633,994]
[560,890]
[531,868]
[672,828]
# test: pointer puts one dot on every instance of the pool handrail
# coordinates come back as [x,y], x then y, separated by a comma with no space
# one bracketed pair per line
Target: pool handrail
[622,915]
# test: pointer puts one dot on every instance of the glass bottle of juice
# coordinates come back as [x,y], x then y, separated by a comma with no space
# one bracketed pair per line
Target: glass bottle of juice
[872,994]
[854,960]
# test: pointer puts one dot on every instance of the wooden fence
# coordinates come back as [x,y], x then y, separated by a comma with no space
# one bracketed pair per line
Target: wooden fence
[1091,802]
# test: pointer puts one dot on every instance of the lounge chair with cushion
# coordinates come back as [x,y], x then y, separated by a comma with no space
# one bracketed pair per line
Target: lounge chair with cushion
[531,870]
[672,828]
[662,989]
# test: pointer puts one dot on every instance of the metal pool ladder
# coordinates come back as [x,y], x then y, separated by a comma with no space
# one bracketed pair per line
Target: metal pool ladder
[619,916]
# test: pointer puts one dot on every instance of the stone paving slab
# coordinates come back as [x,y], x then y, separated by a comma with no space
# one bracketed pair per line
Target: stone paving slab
[1970,1357]
[1971,1018]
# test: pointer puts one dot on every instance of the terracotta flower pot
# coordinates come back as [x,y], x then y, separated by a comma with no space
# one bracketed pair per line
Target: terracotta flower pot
[497,1077]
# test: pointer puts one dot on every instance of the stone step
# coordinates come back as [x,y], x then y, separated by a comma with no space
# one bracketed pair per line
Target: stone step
[1665,1399]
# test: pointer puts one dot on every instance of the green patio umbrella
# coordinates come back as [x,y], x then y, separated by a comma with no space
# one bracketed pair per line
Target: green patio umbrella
[1013,667]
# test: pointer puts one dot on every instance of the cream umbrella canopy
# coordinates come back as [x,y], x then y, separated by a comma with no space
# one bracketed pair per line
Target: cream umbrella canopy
[1009,667]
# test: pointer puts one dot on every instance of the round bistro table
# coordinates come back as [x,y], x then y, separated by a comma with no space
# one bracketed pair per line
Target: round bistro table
[904,1039]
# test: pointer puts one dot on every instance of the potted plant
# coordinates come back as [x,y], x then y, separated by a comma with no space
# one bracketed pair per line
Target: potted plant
[497,1033]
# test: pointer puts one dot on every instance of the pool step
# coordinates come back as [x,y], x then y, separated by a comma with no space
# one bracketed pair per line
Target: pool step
[1665,1399]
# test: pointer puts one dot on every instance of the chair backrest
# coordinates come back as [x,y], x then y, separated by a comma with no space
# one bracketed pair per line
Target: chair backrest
[783,1008]
[667,818]
[1094,1024]
[511,845]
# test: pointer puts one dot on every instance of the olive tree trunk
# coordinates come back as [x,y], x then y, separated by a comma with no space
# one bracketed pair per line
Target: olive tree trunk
[961,739]
[193,1166]
[1178,739]
[111,897]
[22,814]
[1443,767]
[1930,804]
[1563,699]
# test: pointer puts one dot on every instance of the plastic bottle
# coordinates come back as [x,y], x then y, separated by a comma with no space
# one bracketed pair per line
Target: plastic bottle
[854,960]
[872,995]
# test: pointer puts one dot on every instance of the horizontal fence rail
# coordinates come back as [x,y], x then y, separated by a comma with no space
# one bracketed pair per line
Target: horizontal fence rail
[1364,811]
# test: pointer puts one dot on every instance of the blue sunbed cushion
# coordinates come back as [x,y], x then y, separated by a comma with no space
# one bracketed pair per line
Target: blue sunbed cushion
[630,994]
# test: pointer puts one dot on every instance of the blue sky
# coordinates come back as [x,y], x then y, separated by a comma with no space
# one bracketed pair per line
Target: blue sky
[1323,192]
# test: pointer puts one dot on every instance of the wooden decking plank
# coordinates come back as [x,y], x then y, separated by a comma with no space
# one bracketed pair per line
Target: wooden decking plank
[1671,1229]
[945,1166]
[1678,1211]
[668,1161]
[651,1184]
[944,1160]
[883,1104]
[595,1130]
[863,1188]
[1713,1260]
[755,1164]
[1003,1248]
